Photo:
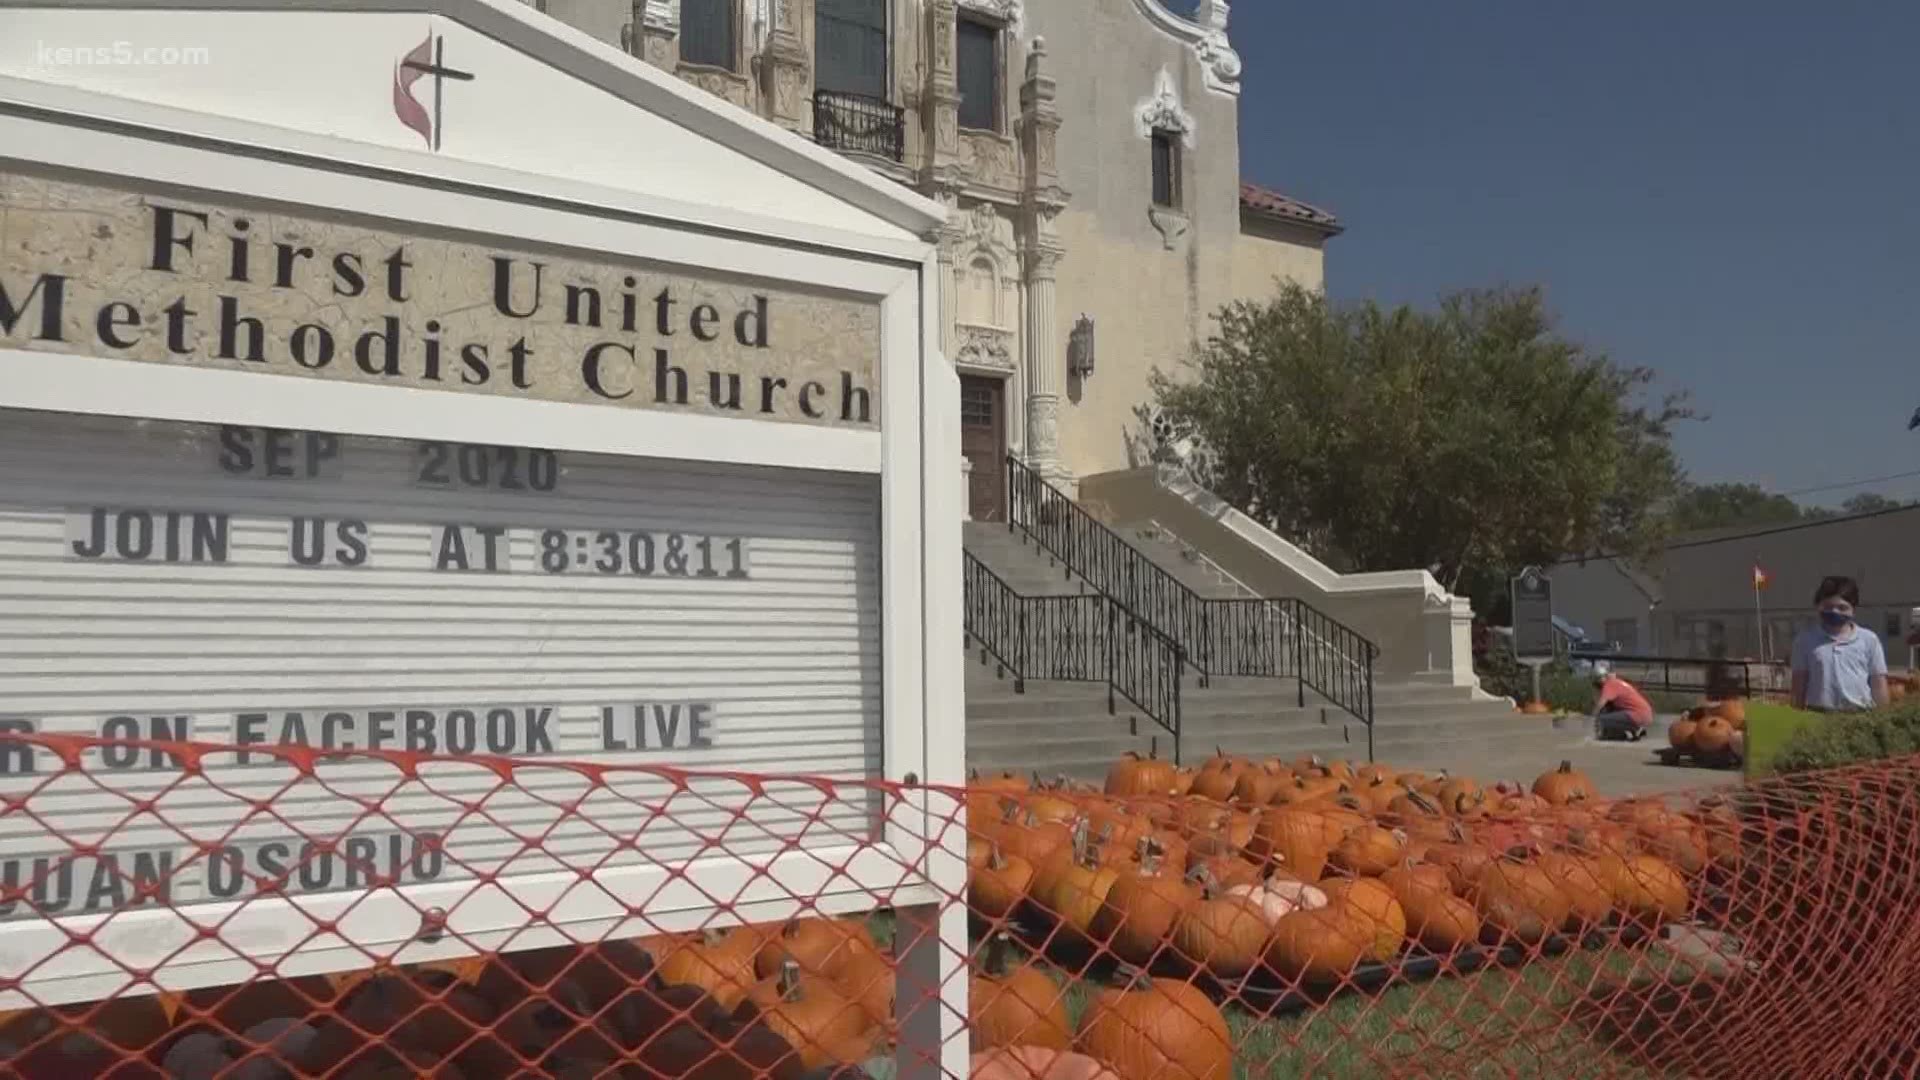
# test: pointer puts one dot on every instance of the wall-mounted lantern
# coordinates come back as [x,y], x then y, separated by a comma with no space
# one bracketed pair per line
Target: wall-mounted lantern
[1080,348]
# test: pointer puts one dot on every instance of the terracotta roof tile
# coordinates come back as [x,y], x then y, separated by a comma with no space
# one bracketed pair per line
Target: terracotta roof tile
[1269,203]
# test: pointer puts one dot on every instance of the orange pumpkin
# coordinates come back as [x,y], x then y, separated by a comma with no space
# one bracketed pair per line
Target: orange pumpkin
[1517,899]
[1647,889]
[1374,772]
[1564,785]
[1141,907]
[1369,851]
[819,946]
[1035,1063]
[1578,878]
[1680,733]
[1160,1030]
[1732,710]
[1008,782]
[1221,932]
[1462,862]
[1136,775]
[1319,945]
[1374,906]
[1015,1005]
[1439,920]
[813,1017]
[995,889]
[1712,735]
[1077,897]
[1217,777]
[719,963]
[1377,794]
[866,977]
[1292,840]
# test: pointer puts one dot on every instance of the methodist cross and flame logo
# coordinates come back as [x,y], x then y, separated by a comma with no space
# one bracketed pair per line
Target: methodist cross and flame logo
[429,58]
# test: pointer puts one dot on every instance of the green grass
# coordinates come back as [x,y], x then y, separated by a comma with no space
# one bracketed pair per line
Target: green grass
[1769,727]
[1496,1022]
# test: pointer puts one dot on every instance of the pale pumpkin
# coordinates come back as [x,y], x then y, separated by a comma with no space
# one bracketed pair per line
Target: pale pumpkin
[1158,1030]
[1035,1063]
[1279,897]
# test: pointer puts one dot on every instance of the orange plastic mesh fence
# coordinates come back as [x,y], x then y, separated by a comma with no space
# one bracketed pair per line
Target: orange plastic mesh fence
[165,914]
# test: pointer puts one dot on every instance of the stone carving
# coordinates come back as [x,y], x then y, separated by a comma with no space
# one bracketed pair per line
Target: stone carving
[736,89]
[983,232]
[989,159]
[1171,223]
[984,348]
[1162,111]
[1206,35]
[1043,429]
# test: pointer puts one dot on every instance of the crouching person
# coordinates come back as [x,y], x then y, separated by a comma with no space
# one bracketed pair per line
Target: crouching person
[1619,710]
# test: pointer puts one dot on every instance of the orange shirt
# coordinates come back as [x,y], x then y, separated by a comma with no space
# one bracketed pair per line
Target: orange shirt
[1618,693]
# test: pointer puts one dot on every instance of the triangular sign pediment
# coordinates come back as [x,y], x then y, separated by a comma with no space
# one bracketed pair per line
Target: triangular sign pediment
[488,82]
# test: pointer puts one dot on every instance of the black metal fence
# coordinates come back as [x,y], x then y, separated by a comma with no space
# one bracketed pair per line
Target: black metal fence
[1085,638]
[1714,678]
[855,123]
[1275,637]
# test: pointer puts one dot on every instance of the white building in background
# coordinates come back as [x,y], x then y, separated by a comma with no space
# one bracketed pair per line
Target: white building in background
[1088,151]
[1696,598]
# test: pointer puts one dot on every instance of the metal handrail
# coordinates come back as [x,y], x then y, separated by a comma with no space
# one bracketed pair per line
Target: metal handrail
[1086,638]
[1217,636]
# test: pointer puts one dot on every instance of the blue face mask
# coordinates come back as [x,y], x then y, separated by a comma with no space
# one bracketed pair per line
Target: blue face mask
[1835,620]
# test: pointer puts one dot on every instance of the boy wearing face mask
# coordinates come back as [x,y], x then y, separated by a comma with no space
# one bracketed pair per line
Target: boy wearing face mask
[1838,666]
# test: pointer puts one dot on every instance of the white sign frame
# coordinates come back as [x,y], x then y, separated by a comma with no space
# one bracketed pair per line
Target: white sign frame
[60,128]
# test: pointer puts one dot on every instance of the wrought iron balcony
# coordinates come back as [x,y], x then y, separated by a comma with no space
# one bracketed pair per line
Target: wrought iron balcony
[855,123]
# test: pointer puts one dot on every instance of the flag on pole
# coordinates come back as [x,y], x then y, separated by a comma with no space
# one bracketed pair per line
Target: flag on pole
[1760,578]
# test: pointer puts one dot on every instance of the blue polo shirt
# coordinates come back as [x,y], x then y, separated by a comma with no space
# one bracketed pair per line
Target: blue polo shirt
[1839,673]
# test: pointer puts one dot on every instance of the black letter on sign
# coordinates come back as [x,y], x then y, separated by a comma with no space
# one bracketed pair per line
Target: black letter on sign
[113,318]
[590,369]
[16,757]
[165,239]
[453,550]
[353,543]
[389,345]
[750,326]
[236,444]
[849,395]
[503,288]
[50,306]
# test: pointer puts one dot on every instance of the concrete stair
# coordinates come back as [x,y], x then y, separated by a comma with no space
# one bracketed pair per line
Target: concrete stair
[1065,727]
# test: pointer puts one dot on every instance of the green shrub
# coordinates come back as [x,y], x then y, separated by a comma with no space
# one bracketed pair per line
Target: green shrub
[1854,737]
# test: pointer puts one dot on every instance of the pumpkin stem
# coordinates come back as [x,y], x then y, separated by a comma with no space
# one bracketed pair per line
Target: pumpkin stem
[789,980]
[1565,765]
[997,951]
[712,936]
[1153,749]
[995,860]
[1425,804]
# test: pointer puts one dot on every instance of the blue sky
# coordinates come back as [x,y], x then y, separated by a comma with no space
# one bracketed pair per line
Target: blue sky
[1727,192]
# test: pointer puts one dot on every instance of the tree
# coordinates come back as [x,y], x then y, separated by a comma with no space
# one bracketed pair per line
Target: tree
[1719,506]
[1469,440]
[1870,502]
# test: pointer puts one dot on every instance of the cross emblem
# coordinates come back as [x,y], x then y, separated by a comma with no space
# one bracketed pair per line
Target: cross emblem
[429,58]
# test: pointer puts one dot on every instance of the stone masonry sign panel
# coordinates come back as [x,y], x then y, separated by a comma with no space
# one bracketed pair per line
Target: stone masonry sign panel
[143,276]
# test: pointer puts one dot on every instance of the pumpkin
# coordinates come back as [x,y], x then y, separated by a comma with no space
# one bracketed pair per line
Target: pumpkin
[1518,899]
[1225,870]
[1279,897]
[816,1020]
[1136,775]
[1589,900]
[1722,828]
[1183,782]
[1376,907]
[1462,862]
[1369,851]
[1412,804]
[1141,907]
[1564,785]
[1218,831]
[1257,785]
[1648,889]
[1077,897]
[1015,1006]
[1008,782]
[1221,932]
[1680,733]
[1671,836]
[719,963]
[1035,1063]
[1375,773]
[1439,920]
[866,977]
[1319,945]
[1052,802]
[1896,691]
[1377,795]
[818,945]
[1712,735]
[1161,1029]
[1292,840]
[1732,710]
[997,887]
[1217,777]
